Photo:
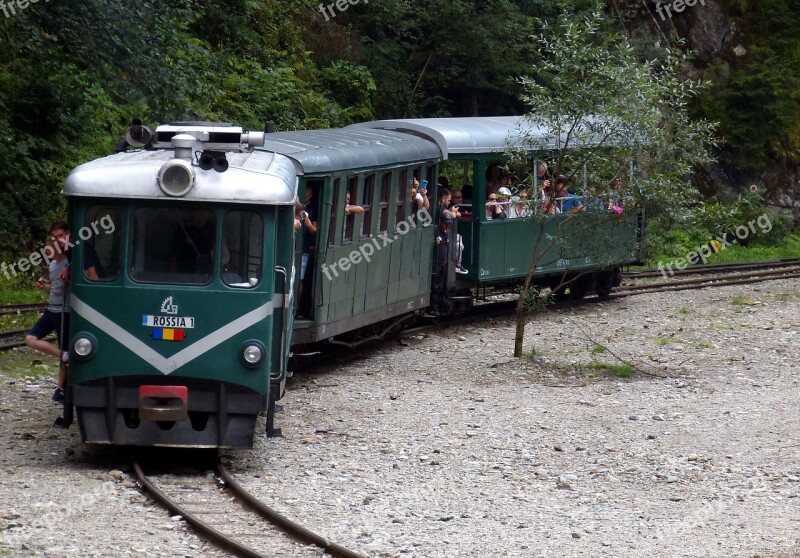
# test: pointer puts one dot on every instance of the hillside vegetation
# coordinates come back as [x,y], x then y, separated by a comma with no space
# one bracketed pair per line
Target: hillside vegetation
[74,73]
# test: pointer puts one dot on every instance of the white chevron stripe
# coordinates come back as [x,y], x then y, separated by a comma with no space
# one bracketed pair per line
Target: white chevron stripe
[196,349]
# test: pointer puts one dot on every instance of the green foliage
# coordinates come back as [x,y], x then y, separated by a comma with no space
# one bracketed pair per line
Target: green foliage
[450,57]
[595,106]
[601,106]
[756,97]
[789,248]
[618,370]
[714,220]
[75,74]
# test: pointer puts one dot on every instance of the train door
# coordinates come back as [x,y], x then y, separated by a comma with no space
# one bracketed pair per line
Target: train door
[309,241]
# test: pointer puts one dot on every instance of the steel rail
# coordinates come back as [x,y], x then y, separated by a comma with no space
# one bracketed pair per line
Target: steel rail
[499,309]
[292,529]
[7,309]
[219,539]
[284,523]
[712,268]
[766,274]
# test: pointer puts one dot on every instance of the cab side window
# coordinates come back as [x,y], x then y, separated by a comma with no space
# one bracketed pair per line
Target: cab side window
[101,243]
[242,249]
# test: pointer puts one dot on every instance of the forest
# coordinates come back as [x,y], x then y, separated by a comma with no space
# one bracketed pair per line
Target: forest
[75,73]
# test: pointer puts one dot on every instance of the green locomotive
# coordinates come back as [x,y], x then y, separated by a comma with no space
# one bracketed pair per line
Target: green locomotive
[184,338]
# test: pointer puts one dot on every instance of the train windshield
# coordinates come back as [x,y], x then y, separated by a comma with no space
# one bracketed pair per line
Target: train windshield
[172,245]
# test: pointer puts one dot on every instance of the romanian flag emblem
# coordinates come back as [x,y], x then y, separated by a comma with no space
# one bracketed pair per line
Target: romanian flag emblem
[167,334]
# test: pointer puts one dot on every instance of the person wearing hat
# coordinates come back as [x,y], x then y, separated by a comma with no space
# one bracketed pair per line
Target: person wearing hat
[494,209]
[566,202]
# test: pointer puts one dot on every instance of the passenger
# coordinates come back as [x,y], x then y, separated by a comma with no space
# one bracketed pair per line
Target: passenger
[351,209]
[439,279]
[451,210]
[455,212]
[617,200]
[593,202]
[445,205]
[494,210]
[308,219]
[299,208]
[566,202]
[457,199]
[545,179]
[56,315]
[419,196]
[518,207]
[494,178]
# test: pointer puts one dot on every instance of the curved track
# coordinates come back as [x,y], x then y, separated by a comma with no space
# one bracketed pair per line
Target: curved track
[712,268]
[234,524]
[732,276]
[725,275]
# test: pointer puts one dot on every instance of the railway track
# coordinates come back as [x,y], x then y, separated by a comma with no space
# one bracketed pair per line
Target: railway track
[724,275]
[223,512]
[721,277]
[714,275]
[712,268]
[10,309]
[14,338]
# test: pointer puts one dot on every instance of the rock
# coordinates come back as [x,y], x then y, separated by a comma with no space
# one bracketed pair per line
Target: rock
[118,476]
[558,447]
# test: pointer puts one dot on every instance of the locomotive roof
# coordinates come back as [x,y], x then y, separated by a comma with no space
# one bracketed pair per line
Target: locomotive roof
[325,151]
[252,177]
[489,134]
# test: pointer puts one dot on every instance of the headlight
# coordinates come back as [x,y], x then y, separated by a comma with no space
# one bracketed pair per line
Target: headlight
[84,346]
[176,177]
[252,354]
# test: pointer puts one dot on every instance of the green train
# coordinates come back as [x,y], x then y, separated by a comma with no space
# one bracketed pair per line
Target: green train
[207,283]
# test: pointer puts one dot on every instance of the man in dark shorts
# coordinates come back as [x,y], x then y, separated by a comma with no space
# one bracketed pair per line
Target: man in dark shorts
[56,315]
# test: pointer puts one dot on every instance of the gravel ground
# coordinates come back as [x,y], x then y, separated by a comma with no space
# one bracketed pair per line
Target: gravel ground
[444,445]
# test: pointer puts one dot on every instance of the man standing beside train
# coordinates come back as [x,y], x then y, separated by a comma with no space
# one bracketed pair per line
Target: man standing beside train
[56,315]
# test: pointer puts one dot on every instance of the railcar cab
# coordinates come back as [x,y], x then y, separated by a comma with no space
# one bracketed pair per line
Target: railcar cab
[182,338]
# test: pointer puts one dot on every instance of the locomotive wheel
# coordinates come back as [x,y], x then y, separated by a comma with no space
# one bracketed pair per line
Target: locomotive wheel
[577,290]
[604,292]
